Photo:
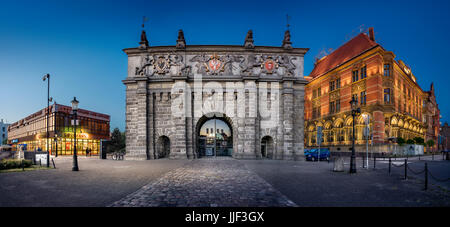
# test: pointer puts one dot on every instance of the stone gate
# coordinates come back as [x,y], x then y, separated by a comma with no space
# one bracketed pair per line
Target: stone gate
[258,91]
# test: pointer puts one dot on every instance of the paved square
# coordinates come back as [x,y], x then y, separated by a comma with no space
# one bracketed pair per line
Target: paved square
[208,182]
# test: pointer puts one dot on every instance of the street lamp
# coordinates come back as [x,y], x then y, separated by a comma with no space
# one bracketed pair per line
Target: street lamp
[74,110]
[47,76]
[355,111]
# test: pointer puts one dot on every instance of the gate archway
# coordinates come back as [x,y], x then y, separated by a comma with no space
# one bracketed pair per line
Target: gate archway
[267,147]
[214,137]
[163,147]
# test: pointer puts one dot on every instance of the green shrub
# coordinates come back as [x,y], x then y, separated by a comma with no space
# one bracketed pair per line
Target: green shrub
[419,140]
[410,141]
[400,141]
[14,164]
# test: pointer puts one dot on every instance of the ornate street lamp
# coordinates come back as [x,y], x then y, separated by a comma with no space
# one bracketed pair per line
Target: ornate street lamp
[355,111]
[74,110]
[47,77]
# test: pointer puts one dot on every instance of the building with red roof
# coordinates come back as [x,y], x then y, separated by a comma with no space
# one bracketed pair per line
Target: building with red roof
[385,88]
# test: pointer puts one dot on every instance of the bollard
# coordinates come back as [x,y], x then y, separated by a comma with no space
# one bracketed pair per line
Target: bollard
[374,162]
[23,167]
[40,163]
[426,176]
[432,155]
[53,161]
[419,157]
[406,171]
[389,165]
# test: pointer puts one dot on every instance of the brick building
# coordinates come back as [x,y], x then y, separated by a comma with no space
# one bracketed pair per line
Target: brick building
[386,91]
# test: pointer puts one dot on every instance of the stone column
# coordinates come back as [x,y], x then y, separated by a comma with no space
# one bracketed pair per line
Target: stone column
[299,125]
[138,115]
[151,126]
[288,117]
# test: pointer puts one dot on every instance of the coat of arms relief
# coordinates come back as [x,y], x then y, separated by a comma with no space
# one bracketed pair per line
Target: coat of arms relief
[162,65]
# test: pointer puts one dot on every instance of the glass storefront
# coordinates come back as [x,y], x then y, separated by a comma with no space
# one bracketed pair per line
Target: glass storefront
[63,145]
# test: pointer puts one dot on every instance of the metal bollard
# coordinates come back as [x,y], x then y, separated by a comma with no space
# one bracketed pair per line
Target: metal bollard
[406,169]
[53,161]
[419,157]
[389,165]
[426,176]
[432,155]
[23,167]
[374,162]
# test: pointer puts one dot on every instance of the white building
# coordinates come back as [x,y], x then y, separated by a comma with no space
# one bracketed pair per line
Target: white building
[3,131]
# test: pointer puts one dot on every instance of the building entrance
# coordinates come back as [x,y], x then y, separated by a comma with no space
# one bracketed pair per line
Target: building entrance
[215,138]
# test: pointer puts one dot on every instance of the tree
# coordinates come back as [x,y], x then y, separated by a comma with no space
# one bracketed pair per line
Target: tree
[410,141]
[117,143]
[419,140]
[430,143]
[400,141]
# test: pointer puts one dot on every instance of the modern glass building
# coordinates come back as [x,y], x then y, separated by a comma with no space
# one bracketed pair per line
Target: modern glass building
[29,134]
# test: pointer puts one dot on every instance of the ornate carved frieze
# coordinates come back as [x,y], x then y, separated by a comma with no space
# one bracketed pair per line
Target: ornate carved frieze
[359,86]
[214,64]
[162,65]
[334,95]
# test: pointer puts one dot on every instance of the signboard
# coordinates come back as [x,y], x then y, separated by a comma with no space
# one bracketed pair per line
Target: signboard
[319,135]
[42,157]
[78,122]
[209,151]
[366,132]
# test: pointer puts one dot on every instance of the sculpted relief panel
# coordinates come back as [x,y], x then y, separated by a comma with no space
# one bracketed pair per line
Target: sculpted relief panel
[216,64]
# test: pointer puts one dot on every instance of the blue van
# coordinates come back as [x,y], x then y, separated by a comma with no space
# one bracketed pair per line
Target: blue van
[312,154]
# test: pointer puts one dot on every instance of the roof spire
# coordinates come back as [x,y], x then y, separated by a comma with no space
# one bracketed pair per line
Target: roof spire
[287,44]
[181,42]
[144,42]
[248,43]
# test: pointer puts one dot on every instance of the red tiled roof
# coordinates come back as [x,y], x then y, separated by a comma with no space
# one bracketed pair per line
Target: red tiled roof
[351,49]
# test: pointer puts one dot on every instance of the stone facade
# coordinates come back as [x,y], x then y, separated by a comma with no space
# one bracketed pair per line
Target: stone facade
[386,91]
[172,90]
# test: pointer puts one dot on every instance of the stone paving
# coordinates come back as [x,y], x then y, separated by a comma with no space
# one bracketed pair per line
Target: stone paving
[207,183]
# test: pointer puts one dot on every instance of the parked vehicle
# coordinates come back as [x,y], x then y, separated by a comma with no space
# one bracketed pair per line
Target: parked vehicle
[312,154]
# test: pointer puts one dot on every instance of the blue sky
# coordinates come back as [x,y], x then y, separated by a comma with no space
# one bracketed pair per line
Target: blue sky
[80,42]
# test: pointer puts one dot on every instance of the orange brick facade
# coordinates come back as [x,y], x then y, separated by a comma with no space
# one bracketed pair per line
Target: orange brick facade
[386,91]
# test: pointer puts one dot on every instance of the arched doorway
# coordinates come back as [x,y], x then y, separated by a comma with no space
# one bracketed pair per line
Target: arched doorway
[163,147]
[267,147]
[215,137]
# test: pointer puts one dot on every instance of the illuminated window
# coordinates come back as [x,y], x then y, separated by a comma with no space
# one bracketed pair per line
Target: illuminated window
[355,76]
[387,70]
[363,98]
[387,95]
[363,72]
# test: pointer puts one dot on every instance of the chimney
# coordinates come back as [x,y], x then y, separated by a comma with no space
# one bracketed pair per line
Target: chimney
[371,34]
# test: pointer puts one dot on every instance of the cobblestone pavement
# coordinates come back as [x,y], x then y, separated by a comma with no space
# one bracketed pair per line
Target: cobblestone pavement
[208,183]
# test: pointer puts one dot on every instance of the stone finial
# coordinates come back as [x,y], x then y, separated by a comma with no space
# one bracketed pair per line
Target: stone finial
[287,44]
[144,41]
[181,42]
[249,40]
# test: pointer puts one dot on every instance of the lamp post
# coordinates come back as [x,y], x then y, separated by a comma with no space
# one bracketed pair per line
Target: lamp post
[355,111]
[74,110]
[47,77]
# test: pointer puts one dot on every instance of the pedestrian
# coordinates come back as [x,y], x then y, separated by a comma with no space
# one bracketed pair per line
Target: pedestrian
[87,151]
